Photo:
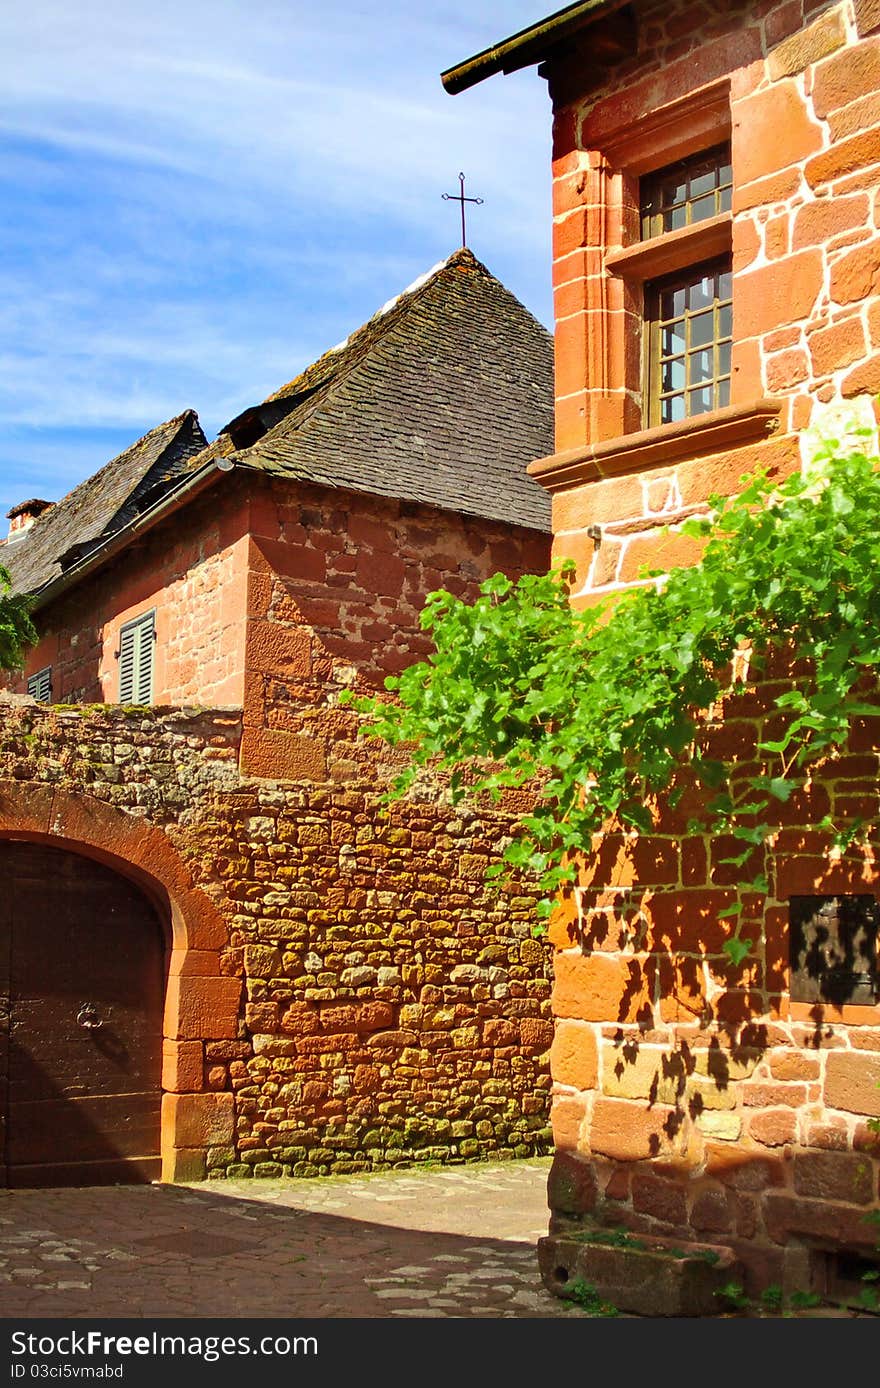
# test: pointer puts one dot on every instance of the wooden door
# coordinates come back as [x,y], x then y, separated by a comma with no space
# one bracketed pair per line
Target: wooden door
[81,992]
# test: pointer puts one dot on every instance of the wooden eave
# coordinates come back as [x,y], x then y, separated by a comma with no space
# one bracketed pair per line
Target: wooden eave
[529,46]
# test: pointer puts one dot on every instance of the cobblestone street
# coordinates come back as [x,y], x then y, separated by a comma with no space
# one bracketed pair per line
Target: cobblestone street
[458,1241]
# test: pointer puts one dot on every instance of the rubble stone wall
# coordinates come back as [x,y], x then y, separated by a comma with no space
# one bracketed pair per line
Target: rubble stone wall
[393,1007]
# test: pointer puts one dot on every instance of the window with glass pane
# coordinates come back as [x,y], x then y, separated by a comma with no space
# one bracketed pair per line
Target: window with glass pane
[688,320]
[686,192]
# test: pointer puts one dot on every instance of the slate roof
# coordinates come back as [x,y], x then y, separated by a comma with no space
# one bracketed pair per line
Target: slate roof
[93,512]
[443,397]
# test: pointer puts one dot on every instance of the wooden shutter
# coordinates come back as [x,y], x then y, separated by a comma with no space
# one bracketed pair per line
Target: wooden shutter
[136,648]
[39,686]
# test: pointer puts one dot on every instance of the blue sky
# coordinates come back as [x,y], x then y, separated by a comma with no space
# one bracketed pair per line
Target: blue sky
[199,197]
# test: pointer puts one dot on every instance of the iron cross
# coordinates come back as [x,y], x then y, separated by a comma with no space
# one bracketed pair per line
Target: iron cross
[460,197]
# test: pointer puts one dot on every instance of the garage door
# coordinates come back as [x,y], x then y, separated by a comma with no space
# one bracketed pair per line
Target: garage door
[81,992]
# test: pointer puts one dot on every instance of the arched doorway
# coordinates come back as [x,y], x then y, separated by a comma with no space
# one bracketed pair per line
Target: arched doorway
[82,984]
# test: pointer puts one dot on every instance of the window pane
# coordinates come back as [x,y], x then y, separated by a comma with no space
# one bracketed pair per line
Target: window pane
[672,375]
[701,326]
[674,193]
[723,394]
[703,183]
[725,321]
[700,366]
[672,302]
[702,292]
[699,401]
[724,359]
[672,339]
[703,208]
[725,285]
[672,409]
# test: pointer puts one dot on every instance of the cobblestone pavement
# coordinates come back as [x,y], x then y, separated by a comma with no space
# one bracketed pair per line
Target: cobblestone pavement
[457,1241]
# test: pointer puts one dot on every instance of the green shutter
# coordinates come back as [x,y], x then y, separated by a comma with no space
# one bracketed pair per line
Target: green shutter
[39,686]
[137,644]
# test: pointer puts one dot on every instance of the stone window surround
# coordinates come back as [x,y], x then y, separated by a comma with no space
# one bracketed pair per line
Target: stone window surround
[614,299]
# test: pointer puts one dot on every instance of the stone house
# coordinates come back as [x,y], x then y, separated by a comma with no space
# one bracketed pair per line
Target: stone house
[716,269]
[219,952]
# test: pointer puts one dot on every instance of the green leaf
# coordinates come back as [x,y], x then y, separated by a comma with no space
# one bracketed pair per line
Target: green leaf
[737,950]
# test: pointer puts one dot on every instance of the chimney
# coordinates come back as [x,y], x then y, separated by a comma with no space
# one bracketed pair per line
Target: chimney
[22,517]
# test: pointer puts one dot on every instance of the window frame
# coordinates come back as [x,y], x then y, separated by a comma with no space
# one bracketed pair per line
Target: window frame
[652,355]
[688,132]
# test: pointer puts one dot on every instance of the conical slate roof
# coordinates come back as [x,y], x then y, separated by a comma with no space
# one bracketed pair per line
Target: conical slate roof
[443,397]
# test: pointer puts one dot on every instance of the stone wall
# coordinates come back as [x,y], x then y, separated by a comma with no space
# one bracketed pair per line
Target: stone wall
[697,1098]
[260,587]
[690,1097]
[394,1009]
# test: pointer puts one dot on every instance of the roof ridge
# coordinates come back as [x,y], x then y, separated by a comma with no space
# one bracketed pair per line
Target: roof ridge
[386,310]
[363,342]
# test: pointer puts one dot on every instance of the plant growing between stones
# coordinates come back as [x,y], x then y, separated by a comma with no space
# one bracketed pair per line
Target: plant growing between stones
[585,1295]
[604,710]
[772,1301]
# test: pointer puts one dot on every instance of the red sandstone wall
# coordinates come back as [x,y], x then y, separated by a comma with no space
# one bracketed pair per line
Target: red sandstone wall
[267,594]
[336,584]
[690,1097]
[800,98]
[189,569]
[345,991]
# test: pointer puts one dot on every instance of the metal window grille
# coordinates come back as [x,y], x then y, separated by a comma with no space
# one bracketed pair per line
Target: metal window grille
[136,654]
[39,686]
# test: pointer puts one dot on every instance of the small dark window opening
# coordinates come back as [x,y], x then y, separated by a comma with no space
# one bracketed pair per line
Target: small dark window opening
[833,949]
[850,1277]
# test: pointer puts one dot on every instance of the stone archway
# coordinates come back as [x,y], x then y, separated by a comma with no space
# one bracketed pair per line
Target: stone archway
[201,1004]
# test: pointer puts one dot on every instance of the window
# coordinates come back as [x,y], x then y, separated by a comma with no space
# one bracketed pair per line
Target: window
[136,649]
[686,192]
[39,686]
[688,341]
[833,942]
[688,315]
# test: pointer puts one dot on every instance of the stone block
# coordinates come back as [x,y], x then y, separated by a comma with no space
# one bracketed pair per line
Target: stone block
[626,1131]
[197,1120]
[182,1066]
[202,1008]
[830,1175]
[643,1276]
[181,1164]
[572,1186]
[274,754]
[574,1056]
[852,1082]
[724,1126]
[807,46]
